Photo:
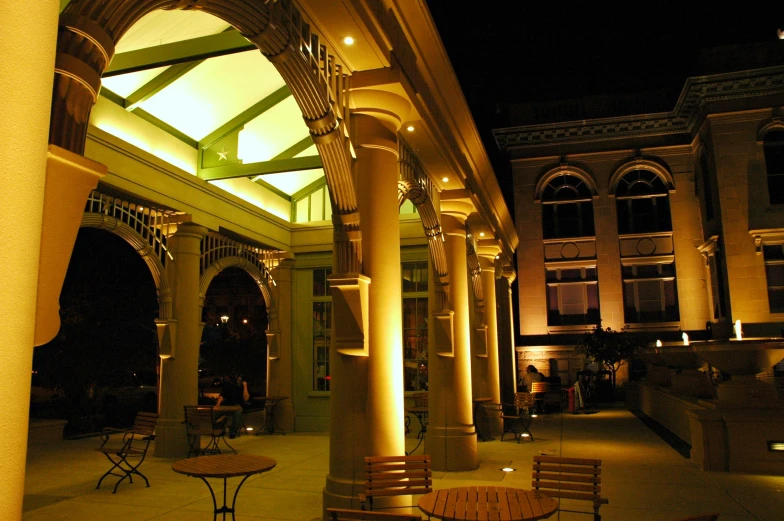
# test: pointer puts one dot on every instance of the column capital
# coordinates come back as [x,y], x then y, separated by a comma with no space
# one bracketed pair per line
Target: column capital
[488,251]
[388,108]
[191,229]
[509,273]
[369,131]
[457,205]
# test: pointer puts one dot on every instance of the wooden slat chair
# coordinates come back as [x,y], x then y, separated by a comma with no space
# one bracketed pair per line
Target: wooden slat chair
[387,476]
[702,517]
[570,478]
[539,391]
[340,514]
[132,444]
[202,420]
[517,417]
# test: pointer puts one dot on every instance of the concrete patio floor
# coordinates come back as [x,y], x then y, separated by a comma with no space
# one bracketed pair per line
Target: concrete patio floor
[644,478]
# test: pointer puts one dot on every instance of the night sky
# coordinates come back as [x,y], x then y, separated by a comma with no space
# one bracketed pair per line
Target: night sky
[520,51]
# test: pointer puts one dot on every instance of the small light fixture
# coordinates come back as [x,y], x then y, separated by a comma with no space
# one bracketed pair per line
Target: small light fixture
[776,446]
[509,469]
[658,343]
[244,320]
[348,40]
[685,337]
[525,434]
[248,428]
[481,234]
[224,319]
[497,256]
[410,128]
[140,208]
[780,33]
[445,179]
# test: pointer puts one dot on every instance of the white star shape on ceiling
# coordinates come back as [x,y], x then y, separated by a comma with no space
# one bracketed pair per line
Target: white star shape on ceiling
[223,154]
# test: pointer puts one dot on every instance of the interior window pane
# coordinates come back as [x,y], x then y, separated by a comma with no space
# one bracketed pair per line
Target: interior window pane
[317,205]
[302,210]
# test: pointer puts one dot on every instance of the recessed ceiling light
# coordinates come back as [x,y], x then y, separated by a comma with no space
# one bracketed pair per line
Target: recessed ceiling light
[348,40]
[481,234]
[445,179]
[508,469]
[497,256]
[140,208]
[410,128]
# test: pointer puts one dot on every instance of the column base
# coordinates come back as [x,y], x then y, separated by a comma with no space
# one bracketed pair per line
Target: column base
[171,439]
[341,493]
[452,449]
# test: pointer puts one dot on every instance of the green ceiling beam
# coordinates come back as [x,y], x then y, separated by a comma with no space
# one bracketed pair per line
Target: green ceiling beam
[119,100]
[221,44]
[158,83]
[298,148]
[238,122]
[63,4]
[275,166]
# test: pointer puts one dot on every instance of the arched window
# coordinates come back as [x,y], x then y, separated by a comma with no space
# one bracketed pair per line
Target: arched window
[567,208]
[774,162]
[643,203]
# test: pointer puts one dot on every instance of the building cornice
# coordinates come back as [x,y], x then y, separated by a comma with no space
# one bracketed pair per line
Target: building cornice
[691,108]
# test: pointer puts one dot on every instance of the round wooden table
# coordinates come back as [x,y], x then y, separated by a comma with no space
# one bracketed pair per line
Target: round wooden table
[224,466]
[487,504]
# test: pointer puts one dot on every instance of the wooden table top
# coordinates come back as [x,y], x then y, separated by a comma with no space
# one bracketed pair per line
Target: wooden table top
[223,465]
[487,504]
[482,400]
[416,410]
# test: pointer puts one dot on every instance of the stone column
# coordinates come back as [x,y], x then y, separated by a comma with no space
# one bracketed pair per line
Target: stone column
[180,372]
[28,41]
[279,364]
[507,355]
[367,391]
[487,250]
[451,438]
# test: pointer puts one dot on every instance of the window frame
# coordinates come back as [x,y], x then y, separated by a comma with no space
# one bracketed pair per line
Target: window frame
[420,295]
[322,347]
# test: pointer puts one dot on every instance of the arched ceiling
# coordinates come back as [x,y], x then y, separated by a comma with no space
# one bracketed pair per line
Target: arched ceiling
[195,78]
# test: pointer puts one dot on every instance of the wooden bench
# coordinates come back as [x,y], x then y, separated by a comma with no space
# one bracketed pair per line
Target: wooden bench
[517,416]
[341,514]
[571,478]
[387,476]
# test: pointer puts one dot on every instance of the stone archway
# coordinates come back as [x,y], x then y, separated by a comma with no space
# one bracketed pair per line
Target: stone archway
[89,30]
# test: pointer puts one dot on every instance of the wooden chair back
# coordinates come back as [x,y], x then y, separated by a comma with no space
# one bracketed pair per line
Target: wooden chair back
[340,514]
[571,478]
[420,399]
[524,401]
[702,517]
[539,387]
[395,476]
[144,424]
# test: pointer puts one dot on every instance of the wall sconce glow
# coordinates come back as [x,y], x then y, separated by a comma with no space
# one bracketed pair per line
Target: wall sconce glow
[224,319]
[445,179]
[658,343]
[780,34]
[738,330]
[776,446]
[244,320]
[685,337]
[348,40]
[508,469]
[410,128]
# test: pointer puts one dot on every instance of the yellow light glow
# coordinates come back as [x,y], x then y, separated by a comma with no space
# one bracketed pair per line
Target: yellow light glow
[410,128]
[508,469]
[481,234]
[445,179]
[348,40]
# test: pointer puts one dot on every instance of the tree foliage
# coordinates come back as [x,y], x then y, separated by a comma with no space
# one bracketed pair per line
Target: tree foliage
[609,347]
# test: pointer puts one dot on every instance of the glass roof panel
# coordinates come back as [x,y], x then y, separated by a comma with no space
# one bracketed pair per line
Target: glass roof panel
[292,182]
[161,27]
[214,92]
[126,84]
[272,132]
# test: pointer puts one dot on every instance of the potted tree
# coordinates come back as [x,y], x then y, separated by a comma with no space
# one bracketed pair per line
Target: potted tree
[609,348]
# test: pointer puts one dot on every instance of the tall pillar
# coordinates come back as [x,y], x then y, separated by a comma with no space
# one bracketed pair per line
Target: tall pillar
[28,41]
[367,391]
[487,250]
[279,358]
[507,355]
[180,371]
[451,437]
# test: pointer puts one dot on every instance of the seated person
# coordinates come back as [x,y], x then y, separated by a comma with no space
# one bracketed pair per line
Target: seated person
[233,395]
[531,376]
